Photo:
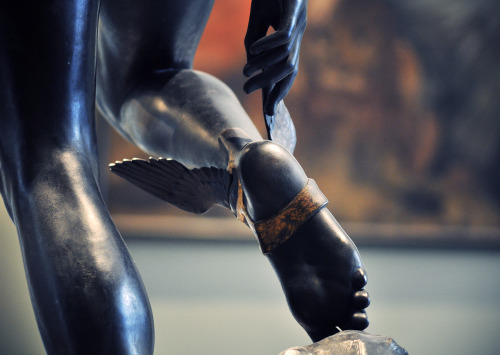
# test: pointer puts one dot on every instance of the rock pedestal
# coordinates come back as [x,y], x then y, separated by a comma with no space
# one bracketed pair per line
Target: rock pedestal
[350,343]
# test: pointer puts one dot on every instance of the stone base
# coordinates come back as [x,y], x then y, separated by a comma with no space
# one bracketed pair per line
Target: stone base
[350,342]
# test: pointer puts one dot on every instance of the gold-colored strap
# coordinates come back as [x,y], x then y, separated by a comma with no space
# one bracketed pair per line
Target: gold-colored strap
[276,230]
[233,140]
[241,211]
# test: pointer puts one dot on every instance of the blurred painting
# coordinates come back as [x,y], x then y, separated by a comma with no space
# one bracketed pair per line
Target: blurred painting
[397,112]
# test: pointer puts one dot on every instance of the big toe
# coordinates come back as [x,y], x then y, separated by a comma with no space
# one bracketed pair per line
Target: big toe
[360,279]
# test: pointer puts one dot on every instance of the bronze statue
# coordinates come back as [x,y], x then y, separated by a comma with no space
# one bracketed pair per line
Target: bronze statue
[87,295]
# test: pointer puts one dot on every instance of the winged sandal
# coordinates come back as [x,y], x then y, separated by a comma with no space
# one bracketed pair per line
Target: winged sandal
[317,263]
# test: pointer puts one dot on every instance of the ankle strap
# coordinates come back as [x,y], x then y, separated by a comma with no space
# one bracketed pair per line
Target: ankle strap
[274,231]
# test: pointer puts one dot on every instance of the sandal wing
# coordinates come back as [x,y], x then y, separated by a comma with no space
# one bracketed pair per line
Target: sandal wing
[193,190]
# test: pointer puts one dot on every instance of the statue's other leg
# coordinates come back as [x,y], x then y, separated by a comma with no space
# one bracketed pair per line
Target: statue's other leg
[146,86]
[147,90]
[87,295]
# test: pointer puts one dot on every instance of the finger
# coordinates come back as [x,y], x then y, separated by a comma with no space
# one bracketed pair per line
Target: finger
[265,95]
[257,29]
[281,89]
[278,93]
[274,74]
[283,35]
[266,60]
[274,40]
[270,58]
[268,77]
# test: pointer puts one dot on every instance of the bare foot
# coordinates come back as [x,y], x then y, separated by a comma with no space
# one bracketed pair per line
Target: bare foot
[319,266]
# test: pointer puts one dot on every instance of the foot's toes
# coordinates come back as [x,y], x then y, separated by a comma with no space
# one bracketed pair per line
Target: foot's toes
[361,299]
[358,321]
[360,279]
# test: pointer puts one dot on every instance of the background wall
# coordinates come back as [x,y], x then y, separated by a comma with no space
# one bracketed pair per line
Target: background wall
[223,298]
[396,106]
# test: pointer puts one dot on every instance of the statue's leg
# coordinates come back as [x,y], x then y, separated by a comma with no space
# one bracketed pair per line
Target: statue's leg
[149,93]
[147,89]
[87,295]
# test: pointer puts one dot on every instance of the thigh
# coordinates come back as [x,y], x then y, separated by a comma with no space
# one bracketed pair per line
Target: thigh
[47,70]
[139,39]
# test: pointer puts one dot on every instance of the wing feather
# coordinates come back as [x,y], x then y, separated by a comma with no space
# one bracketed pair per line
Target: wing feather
[193,190]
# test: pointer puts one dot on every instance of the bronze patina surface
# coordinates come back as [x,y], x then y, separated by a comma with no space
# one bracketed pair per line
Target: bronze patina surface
[276,230]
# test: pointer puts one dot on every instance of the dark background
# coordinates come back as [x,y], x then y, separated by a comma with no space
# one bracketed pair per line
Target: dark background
[397,111]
